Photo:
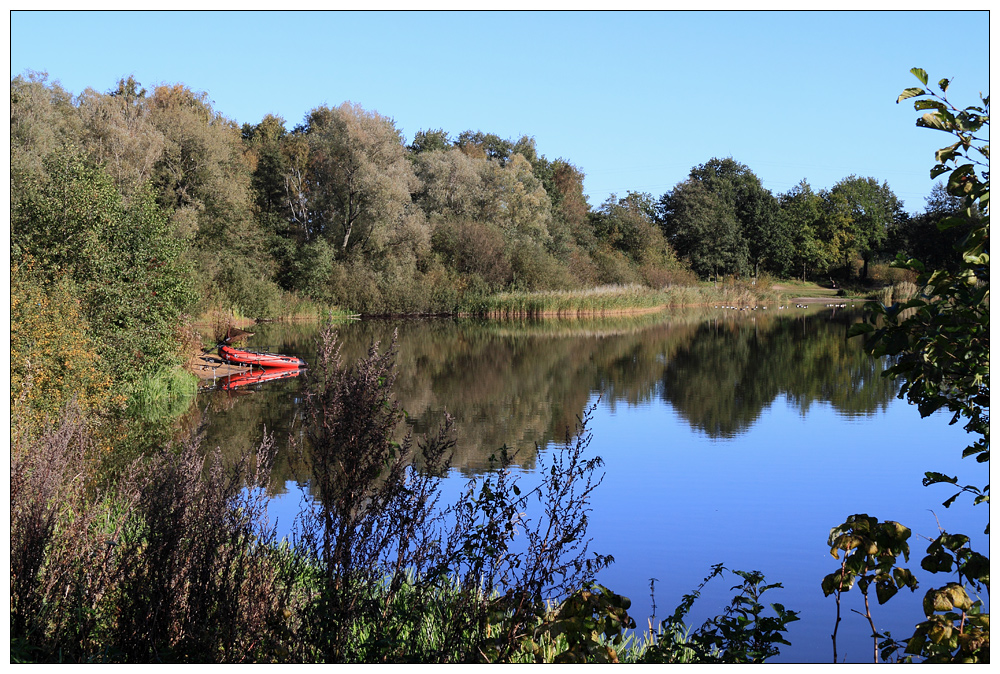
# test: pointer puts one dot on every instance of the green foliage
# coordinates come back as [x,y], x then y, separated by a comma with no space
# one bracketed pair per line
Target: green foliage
[245,200]
[124,265]
[742,634]
[870,551]
[592,621]
[246,289]
[430,141]
[939,340]
[955,628]
[163,396]
[118,133]
[357,182]
[53,359]
[628,225]
[725,221]
[868,211]
[485,146]
[921,238]
[703,228]
[474,248]
[939,345]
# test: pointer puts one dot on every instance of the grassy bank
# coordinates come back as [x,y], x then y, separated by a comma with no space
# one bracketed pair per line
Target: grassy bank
[164,395]
[617,299]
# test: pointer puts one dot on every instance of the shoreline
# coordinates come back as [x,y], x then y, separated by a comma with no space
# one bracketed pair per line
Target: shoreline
[205,364]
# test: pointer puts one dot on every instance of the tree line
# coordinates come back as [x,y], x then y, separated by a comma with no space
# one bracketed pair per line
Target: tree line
[131,208]
[341,209]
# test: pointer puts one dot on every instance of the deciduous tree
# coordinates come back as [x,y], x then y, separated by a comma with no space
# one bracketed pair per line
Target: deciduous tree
[118,132]
[703,228]
[360,178]
[870,210]
[801,210]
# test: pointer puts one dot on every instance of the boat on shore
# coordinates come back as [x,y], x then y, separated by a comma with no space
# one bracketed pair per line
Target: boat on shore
[259,359]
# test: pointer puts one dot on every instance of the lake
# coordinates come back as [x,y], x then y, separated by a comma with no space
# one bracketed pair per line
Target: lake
[727,437]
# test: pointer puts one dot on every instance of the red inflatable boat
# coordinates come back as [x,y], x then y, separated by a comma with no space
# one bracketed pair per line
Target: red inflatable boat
[240,357]
[234,381]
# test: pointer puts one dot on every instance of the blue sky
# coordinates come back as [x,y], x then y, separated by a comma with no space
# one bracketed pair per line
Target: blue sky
[632,99]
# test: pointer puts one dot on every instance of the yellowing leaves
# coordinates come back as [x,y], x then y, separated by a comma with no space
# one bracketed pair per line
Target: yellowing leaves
[52,358]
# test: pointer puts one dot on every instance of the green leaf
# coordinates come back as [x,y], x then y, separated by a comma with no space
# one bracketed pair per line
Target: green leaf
[953,542]
[885,589]
[961,180]
[904,578]
[977,568]
[920,74]
[930,104]
[943,84]
[938,170]
[932,477]
[836,581]
[934,120]
[949,222]
[910,93]
[947,153]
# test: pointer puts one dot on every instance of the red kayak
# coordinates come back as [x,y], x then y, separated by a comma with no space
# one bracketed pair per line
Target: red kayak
[240,357]
[234,381]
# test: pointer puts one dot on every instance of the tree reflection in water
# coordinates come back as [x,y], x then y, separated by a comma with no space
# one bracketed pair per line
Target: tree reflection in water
[525,383]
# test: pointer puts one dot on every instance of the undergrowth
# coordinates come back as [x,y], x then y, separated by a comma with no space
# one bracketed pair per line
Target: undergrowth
[178,561]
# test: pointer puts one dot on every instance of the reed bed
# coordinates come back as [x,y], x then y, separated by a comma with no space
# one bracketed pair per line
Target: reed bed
[903,291]
[897,292]
[597,301]
[164,395]
[615,299]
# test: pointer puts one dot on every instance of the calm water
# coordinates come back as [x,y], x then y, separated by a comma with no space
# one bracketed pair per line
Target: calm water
[725,438]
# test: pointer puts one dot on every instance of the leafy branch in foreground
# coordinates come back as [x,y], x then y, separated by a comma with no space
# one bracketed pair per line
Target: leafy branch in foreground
[940,339]
[939,342]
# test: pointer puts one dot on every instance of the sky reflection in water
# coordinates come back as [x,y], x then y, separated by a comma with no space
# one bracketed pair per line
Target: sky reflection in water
[723,442]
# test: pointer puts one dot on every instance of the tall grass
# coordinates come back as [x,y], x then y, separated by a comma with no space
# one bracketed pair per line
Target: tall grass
[174,563]
[616,299]
[294,307]
[166,394]
[597,301]
[897,292]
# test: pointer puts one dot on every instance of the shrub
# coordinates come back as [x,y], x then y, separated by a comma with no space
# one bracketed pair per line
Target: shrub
[473,247]
[176,562]
[247,288]
[53,358]
[887,274]
[400,579]
[743,633]
[660,277]
[903,291]
[613,267]
[534,268]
